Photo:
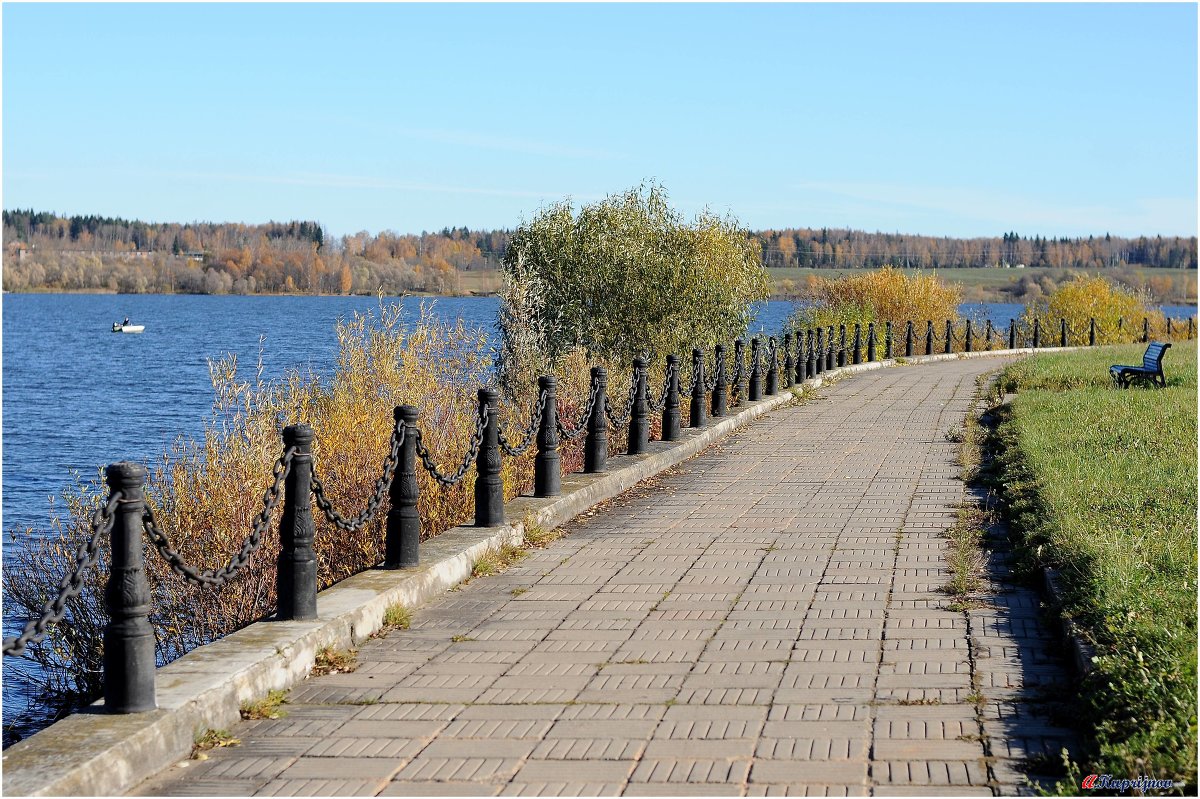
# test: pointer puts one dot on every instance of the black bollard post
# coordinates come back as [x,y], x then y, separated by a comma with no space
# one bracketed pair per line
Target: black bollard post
[698,399]
[987,336]
[1062,335]
[402,539]
[857,356]
[296,578]
[829,349]
[1120,327]
[820,352]
[1145,330]
[720,396]
[547,464]
[739,392]
[870,341]
[949,336]
[1168,328]
[670,417]
[772,369]
[489,488]
[908,339]
[788,364]
[595,446]
[841,351]
[639,416]
[967,337]
[1037,333]
[755,372]
[1012,334]
[128,635]
[929,337]
[887,340]
[1092,332]
[804,356]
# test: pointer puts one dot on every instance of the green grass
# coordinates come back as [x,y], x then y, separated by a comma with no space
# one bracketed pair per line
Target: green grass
[1102,485]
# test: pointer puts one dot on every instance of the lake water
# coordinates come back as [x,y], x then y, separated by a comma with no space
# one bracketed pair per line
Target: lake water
[76,396]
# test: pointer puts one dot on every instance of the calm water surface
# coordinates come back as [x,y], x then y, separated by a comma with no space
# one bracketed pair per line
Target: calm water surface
[77,396]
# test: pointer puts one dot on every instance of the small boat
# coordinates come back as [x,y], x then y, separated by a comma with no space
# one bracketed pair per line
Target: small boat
[125,327]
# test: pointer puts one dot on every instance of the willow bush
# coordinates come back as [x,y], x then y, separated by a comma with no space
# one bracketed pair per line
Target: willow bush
[625,275]
[205,493]
[879,296]
[1118,311]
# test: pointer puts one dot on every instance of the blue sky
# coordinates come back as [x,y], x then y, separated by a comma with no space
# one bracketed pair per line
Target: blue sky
[939,119]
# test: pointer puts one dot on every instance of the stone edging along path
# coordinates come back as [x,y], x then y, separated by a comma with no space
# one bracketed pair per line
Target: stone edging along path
[94,753]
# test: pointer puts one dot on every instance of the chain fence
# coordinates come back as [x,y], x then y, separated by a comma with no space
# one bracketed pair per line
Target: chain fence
[71,584]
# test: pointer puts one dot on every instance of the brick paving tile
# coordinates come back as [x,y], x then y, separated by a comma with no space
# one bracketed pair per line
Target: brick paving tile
[770,623]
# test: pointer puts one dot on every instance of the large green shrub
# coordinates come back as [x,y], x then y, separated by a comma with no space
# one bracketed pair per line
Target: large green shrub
[624,275]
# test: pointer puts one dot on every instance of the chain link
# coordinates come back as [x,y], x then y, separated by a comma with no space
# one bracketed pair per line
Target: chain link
[471,454]
[572,435]
[530,432]
[215,577]
[70,585]
[621,421]
[718,368]
[381,487]
[656,406]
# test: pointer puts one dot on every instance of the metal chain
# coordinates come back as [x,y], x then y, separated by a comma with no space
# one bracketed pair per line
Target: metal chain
[718,367]
[70,585]
[656,406]
[735,382]
[471,454]
[530,432]
[571,435]
[215,577]
[621,421]
[381,487]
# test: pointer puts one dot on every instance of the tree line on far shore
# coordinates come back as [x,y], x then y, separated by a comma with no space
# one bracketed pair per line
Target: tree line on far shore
[47,251]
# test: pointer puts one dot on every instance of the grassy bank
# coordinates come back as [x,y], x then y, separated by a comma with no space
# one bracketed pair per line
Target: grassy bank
[1101,484]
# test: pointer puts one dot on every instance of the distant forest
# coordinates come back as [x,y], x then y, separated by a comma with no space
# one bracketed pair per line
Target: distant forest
[45,251]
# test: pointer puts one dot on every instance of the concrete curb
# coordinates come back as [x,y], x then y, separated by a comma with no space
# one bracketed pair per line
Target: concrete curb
[92,753]
[1083,654]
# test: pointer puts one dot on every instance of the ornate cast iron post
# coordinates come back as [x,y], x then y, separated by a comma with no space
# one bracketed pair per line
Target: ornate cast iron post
[697,415]
[788,364]
[670,417]
[772,369]
[296,581]
[639,416]
[402,542]
[489,488]
[547,464]
[720,397]
[595,446]
[128,636]
[755,372]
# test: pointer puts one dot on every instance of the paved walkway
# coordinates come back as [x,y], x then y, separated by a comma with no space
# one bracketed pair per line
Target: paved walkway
[765,620]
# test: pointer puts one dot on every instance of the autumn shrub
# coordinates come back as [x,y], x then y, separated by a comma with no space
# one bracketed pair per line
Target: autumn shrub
[1119,311]
[205,493]
[879,296]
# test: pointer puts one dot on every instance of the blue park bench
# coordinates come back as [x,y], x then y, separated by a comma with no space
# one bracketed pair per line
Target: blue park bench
[1150,371]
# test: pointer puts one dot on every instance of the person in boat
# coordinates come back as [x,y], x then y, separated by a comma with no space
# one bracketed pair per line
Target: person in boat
[126,322]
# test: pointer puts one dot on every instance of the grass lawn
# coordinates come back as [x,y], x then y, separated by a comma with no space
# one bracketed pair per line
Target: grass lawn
[1102,485]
